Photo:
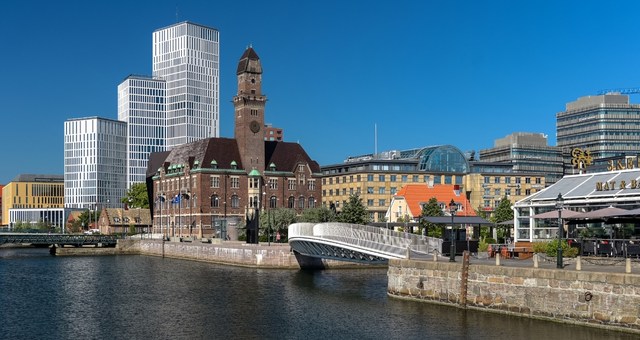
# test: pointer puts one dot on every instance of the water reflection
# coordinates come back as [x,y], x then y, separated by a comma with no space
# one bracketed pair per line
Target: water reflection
[137,297]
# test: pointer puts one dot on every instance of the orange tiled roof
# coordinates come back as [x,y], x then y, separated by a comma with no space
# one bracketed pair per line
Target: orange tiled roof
[415,194]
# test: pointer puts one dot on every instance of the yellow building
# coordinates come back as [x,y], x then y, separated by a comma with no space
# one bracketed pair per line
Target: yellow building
[486,190]
[32,192]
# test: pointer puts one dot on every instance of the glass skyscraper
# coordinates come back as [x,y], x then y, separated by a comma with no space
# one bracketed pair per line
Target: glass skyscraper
[179,103]
[95,151]
[187,57]
[141,103]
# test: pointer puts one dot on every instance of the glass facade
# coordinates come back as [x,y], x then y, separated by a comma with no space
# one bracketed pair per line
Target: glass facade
[186,56]
[95,153]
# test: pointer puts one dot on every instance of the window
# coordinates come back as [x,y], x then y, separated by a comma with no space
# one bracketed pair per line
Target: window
[507,192]
[235,182]
[487,180]
[497,191]
[291,202]
[392,178]
[527,180]
[301,202]
[496,180]
[273,183]
[381,178]
[518,180]
[215,181]
[370,203]
[254,182]
[369,190]
[292,184]
[381,190]
[538,180]
[507,180]
[393,190]
[405,178]
[235,201]
[415,179]
[312,202]
[311,185]
[215,201]
[487,191]
[273,202]
[527,192]
[382,202]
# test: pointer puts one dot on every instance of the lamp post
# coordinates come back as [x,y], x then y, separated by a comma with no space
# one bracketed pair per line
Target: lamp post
[452,210]
[559,206]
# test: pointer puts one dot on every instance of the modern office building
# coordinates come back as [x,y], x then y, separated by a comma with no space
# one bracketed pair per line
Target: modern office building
[179,103]
[206,187]
[34,199]
[601,127]
[187,56]
[141,104]
[95,156]
[376,178]
[527,153]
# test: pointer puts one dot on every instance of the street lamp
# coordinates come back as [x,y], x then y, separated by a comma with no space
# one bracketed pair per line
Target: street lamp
[452,210]
[559,206]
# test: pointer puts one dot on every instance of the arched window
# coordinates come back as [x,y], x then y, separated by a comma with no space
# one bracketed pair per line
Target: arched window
[312,202]
[215,201]
[301,202]
[235,201]
[273,202]
[291,202]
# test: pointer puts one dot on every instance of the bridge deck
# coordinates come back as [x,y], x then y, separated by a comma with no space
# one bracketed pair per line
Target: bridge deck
[59,239]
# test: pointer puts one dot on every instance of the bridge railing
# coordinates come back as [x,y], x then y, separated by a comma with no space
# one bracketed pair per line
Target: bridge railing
[374,238]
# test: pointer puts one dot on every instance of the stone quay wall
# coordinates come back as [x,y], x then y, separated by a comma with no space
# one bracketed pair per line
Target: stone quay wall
[600,299]
[275,255]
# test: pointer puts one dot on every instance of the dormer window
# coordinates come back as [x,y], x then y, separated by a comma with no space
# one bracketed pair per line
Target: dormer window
[214,164]
[116,220]
[234,165]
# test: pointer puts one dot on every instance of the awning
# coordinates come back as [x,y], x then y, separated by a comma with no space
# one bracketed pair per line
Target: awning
[601,213]
[553,214]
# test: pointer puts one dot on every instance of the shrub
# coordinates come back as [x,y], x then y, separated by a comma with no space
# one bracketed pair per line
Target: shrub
[551,249]
[483,245]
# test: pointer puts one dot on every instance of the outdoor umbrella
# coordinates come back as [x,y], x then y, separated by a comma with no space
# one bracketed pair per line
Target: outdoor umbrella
[601,213]
[553,214]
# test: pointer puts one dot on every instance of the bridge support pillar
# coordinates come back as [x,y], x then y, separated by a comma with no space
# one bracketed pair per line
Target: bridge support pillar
[408,253]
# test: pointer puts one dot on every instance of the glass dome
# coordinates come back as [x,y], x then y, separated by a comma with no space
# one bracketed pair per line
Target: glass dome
[443,158]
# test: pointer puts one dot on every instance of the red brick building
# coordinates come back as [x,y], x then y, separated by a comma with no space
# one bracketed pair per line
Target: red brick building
[201,187]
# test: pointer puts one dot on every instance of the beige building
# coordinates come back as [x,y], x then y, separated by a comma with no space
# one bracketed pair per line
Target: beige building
[33,198]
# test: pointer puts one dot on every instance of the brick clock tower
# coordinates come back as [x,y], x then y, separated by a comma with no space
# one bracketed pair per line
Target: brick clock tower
[249,106]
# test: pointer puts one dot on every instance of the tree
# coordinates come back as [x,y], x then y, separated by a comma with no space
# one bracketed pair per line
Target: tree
[136,196]
[503,213]
[317,215]
[432,208]
[354,211]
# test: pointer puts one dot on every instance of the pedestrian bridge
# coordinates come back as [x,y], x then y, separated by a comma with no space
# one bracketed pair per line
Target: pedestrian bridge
[41,239]
[359,243]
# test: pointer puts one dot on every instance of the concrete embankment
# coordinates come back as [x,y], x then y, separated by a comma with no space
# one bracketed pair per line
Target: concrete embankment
[274,255]
[596,299]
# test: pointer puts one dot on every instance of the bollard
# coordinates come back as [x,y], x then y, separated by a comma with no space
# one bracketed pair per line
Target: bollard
[578,263]
[497,258]
[535,260]
[408,253]
[627,267]
[435,256]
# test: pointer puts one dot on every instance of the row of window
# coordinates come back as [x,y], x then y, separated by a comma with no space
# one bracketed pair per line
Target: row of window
[508,180]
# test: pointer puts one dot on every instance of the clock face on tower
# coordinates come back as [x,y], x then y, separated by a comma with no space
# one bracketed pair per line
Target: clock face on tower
[254,126]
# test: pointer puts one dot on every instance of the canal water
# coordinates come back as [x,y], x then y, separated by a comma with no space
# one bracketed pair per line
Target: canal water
[142,297]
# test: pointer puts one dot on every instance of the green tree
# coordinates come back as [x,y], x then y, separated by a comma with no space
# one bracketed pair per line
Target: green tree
[136,196]
[503,213]
[354,211]
[317,215]
[432,208]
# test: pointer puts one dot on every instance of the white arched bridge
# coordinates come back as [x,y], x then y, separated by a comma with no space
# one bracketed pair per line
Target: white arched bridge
[358,243]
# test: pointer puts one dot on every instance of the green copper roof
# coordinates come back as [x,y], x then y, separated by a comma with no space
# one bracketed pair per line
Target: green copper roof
[254,173]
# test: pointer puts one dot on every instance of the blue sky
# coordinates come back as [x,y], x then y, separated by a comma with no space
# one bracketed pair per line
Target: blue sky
[424,72]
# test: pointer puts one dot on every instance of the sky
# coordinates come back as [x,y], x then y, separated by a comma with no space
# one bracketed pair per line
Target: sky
[342,78]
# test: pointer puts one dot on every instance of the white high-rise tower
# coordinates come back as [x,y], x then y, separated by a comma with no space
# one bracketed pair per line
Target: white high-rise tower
[179,103]
[141,103]
[94,162]
[187,57]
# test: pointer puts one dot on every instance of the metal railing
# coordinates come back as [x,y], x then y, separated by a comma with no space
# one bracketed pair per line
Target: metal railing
[366,238]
